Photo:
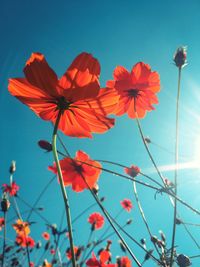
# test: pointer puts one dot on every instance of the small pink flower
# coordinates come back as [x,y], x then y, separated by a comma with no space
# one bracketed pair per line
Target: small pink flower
[126,204]
[133,171]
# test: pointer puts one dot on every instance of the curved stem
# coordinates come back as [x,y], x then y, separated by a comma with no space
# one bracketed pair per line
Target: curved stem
[176,166]
[64,194]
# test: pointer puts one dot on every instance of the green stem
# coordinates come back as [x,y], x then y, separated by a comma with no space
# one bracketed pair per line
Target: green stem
[64,194]
[176,167]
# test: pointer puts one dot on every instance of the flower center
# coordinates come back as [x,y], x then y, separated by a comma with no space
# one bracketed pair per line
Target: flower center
[62,103]
[78,168]
[133,92]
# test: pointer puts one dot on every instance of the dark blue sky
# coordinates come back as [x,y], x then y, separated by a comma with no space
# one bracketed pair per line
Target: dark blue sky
[117,33]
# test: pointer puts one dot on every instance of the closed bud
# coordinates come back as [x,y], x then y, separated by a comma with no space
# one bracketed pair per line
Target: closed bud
[12,168]
[154,239]
[129,221]
[5,204]
[143,241]
[183,260]
[180,57]
[148,255]
[147,140]
[45,145]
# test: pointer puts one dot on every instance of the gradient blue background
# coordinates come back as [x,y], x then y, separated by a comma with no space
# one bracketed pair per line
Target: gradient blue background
[116,33]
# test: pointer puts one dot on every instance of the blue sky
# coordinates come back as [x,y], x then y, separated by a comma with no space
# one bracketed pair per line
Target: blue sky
[116,33]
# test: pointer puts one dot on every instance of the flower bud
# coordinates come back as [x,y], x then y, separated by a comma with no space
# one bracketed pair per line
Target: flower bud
[12,168]
[147,140]
[5,204]
[183,260]
[45,145]
[180,57]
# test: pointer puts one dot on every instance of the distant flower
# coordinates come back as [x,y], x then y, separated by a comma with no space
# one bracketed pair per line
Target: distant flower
[125,262]
[2,223]
[137,90]
[46,235]
[74,172]
[31,264]
[25,241]
[69,254]
[180,57]
[52,251]
[127,204]
[133,171]
[21,228]
[102,262]
[76,94]
[96,220]
[11,189]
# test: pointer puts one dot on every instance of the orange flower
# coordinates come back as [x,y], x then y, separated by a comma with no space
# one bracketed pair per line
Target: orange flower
[127,204]
[97,220]
[21,228]
[84,106]
[25,241]
[74,171]
[136,89]
[46,235]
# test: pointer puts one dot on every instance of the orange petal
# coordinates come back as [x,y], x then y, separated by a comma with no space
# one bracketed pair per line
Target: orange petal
[121,73]
[39,74]
[83,70]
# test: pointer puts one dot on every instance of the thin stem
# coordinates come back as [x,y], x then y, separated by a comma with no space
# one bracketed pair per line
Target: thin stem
[147,149]
[123,166]
[143,215]
[39,197]
[64,193]
[176,167]
[111,223]
[86,247]
[4,239]
[134,240]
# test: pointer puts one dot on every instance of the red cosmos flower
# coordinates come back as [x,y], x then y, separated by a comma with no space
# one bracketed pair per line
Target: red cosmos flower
[125,262]
[102,262]
[46,235]
[136,89]
[31,264]
[73,171]
[133,171]
[126,204]
[11,189]
[2,223]
[25,241]
[97,220]
[69,254]
[77,93]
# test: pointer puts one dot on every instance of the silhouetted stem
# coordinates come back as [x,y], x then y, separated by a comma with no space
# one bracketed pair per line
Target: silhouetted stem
[143,215]
[4,238]
[111,223]
[176,167]
[64,194]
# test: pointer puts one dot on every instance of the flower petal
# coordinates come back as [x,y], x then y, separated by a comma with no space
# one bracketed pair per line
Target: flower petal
[85,69]
[39,74]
